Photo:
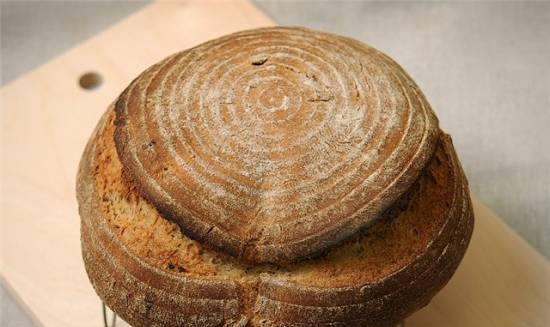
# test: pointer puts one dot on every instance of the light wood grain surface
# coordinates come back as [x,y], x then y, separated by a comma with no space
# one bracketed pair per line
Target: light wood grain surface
[47,119]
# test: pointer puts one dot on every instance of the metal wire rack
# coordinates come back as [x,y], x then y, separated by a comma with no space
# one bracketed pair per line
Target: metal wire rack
[113,318]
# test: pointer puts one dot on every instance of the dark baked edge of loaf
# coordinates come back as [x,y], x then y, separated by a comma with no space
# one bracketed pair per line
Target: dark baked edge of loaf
[144,295]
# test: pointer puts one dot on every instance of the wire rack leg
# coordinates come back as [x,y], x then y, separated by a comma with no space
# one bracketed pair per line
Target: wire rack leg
[113,319]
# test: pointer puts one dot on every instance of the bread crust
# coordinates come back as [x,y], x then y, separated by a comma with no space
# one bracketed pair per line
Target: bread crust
[338,132]
[145,295]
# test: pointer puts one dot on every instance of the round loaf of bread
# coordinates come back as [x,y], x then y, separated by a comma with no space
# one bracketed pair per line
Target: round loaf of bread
[272,177]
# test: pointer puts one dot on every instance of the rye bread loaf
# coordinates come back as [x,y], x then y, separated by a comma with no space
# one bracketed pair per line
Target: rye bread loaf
[273,177]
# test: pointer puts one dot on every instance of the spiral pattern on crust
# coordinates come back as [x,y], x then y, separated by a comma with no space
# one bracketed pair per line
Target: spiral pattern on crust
[274,144]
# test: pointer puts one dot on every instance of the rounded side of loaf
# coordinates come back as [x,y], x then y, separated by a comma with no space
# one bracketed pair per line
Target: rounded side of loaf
[151,274]
[274,144]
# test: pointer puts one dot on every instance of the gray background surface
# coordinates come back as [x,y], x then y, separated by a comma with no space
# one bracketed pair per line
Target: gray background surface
[483,66]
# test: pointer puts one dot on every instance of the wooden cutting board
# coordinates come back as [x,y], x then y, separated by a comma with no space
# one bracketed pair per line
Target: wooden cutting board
[47,118]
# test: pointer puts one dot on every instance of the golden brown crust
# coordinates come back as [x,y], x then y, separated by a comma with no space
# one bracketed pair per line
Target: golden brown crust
[147,293]
[267,147]
[274,144]
[141,294]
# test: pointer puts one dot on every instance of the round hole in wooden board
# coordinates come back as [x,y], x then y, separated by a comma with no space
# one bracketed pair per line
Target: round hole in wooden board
[90,80]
